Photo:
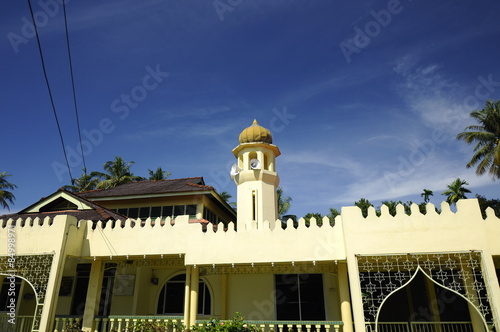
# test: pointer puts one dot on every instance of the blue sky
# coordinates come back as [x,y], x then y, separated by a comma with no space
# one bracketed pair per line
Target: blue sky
[364,99]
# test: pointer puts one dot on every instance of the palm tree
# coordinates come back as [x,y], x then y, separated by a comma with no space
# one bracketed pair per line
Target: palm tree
[426,194]
[486,135]
[392,205]
[456,191]
[85,182]
[333,214]
[159,174]
[118,173]
[225,196]
[317,216]
[283,202]
[6,196]
[363,204]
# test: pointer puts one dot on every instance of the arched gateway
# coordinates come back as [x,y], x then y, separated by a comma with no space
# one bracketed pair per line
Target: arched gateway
[460,272]
[35,270]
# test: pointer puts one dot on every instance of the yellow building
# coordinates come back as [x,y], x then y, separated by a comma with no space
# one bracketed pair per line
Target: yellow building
[174,249]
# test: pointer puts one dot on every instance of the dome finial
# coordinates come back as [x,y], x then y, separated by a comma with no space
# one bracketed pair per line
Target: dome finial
[256,134]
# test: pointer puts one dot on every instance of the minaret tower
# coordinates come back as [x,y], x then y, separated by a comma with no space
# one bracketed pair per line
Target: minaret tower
[255,176]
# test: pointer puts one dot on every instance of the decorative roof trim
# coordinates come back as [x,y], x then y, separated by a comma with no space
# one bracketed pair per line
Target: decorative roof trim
[35,208]
[182,193]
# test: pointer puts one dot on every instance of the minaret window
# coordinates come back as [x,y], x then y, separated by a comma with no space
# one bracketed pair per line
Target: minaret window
[254,205]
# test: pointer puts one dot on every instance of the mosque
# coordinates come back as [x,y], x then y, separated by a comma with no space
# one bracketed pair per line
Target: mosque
[175,250]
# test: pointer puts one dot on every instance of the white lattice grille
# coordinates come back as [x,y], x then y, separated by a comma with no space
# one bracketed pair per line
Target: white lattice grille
[36,270]
[460,272]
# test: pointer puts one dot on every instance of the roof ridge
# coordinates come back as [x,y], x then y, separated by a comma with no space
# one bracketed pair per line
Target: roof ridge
[199,185]
[166,180]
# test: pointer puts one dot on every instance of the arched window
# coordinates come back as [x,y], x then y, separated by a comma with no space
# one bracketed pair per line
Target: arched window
[171,300]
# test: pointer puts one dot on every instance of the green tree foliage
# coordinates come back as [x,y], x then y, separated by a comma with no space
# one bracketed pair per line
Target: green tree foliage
[456,190]
[85,182]
[486,135]
[484,203]
[283,202]
[226,197]
[6,197]
[117,173]
[332,215]
[363,204]
[317,216]
[426,194]
[392,206]
[158,175]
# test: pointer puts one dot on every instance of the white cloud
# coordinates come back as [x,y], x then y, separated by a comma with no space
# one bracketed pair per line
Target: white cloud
[332,160]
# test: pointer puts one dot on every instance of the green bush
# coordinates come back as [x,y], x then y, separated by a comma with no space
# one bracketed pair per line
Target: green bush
[237,324]
[73,327]
[154,326]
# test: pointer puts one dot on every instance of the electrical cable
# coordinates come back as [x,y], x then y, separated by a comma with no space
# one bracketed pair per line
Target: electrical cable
[48,87]
[73,86]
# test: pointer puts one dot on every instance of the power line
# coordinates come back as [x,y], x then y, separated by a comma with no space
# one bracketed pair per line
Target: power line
[73,85]
[48,87]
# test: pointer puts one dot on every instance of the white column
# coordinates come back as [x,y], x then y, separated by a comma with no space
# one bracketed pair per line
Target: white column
[223,305]
[433,301]
[93,295]
[356,297]
[187,296]
[345,298]
[195,280]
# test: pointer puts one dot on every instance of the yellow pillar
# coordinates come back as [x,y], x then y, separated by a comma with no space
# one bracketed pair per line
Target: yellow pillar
[223,306]
[93,295]
[187,296]
[433,301]
[345,298]
[193,302]
[356,297]
[475,317]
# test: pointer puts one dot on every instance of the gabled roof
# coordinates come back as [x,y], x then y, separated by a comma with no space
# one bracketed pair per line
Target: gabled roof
[64,202]
[186,185]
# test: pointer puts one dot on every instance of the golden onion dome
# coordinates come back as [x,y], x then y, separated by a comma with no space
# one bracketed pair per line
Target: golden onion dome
[256,134]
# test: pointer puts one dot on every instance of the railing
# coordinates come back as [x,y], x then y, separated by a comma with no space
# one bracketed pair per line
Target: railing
[298,326]
[19,324]
[127,323]
[420,327]
[62,323]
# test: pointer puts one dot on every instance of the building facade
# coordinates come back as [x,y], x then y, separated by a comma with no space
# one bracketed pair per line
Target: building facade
[175,250]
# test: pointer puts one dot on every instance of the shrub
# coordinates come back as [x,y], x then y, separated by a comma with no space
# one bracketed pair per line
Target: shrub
[154,326]
[236,324]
